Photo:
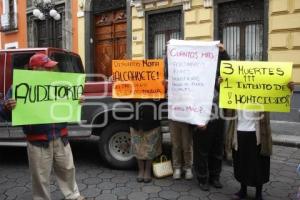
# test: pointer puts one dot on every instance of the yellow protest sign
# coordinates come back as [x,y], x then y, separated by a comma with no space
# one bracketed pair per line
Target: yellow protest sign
[254,85]
[139,79]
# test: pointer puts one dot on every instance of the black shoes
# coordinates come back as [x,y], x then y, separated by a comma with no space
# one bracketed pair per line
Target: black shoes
[204,186]
[139,179]
[143,179]
[216,183]
[259,198]
[147,180]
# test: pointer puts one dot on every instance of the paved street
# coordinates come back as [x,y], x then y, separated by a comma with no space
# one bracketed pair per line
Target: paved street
[97,181]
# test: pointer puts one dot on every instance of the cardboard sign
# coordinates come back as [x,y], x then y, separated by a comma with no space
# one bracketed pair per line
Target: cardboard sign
[257,86]
[192,69]
[138,79]
[46,97]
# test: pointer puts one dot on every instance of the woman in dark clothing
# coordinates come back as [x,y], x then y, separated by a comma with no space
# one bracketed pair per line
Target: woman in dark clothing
[208,142]
[250,139]
[146,141]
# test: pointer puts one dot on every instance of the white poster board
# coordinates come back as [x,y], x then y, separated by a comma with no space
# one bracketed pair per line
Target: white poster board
[192,69]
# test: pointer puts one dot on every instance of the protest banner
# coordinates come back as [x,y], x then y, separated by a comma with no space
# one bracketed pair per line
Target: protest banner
[255,85]
[192,69]
[139,79]
[46,97]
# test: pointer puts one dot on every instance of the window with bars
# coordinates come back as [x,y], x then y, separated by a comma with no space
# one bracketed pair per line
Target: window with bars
[244,42]
[8,21]
[161,28]
[242,35]
[160,42]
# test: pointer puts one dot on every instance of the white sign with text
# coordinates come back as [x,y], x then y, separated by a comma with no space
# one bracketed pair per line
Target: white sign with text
[192,69]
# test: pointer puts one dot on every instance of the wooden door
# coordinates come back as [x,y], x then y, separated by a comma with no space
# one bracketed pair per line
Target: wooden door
[110,41]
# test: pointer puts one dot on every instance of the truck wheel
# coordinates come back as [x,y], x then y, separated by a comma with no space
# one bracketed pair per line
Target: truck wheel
[114,146]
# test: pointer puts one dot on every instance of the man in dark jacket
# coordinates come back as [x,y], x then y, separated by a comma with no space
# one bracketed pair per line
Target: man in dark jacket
[208,141]
[47,146]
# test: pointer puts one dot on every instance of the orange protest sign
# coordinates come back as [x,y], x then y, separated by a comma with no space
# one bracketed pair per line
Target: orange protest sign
[139,79]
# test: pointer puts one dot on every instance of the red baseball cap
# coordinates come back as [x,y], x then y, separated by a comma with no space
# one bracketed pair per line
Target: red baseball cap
[41,60]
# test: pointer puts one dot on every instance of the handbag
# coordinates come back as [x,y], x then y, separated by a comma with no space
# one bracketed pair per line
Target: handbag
[163,168]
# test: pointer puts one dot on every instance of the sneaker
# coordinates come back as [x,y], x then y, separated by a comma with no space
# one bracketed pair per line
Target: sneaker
[216,183]
[204,186]
[188,174]
[81,198]
[177,174]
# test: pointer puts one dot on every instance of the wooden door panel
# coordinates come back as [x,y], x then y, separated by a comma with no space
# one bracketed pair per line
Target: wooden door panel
[120,49]
[110,40]
[120,29]
[103,59]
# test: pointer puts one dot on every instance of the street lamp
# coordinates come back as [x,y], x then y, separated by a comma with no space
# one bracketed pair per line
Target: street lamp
[44,9]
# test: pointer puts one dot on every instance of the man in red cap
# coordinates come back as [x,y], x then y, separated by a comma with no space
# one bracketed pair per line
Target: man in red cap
[47,147]
[40,60]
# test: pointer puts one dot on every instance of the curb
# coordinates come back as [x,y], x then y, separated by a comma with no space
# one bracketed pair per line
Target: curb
[286,140]
[286,133]
[281,140]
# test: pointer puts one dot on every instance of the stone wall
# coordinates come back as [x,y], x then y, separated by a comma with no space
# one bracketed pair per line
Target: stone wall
[284,33]
[198,22]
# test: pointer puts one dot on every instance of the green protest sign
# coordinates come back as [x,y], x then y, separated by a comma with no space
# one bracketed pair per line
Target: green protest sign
[46,97]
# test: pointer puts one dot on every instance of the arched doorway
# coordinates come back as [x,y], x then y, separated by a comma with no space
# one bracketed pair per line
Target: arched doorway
[106,25]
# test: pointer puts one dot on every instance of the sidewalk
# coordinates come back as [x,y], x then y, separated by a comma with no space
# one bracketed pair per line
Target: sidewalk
[283,133]
[97,182]
[286,133]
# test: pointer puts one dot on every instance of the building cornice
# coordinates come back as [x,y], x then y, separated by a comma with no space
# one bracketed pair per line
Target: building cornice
[142,5]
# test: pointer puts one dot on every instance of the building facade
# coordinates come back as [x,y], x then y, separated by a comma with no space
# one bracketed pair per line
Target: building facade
[62,33]
[104,36]
[13,30]
[103,30]
[250,30]
[284,33]
[20,28]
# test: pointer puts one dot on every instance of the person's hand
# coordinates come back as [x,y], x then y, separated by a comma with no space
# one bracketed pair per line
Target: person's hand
[10,104]
[202,127]
[221,47]
[291,86]
[165,84]
[220,80]
[81,99]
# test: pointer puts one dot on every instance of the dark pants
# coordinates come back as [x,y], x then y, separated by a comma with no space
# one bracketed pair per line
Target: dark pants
[208,151]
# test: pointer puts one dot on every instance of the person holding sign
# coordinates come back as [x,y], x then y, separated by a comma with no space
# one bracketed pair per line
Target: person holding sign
[249,138]
[47,146]
[146,140]
[208,141]
[181,138]
[192,67]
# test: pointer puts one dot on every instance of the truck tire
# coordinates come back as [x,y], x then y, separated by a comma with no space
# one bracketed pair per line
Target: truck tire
[114,146]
